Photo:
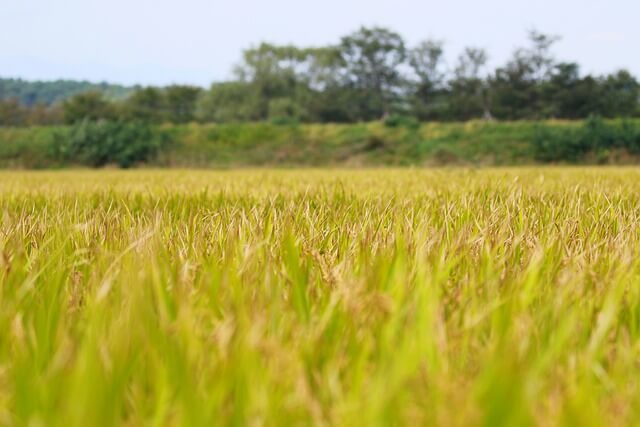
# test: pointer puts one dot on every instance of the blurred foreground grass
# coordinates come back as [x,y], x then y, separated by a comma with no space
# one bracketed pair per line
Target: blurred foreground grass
[320,297]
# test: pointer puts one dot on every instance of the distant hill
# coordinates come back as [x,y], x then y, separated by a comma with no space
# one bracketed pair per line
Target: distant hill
[30,93]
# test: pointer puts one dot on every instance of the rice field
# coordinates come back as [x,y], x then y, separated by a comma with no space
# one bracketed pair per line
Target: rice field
[320,297]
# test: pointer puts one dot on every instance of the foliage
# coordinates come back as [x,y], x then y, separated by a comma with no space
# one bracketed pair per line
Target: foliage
[229,102]
[367,75]
[371,58]
[102,143]
[30,148]
[88,106]
[399,140]
[32,93]
[181,103]
[396,120]
[595,137]
[147,105]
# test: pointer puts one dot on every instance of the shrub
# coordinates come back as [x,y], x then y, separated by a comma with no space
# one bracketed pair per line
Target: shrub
[104,142]
[629,136]
[395,121]
[596,138]
[552,144]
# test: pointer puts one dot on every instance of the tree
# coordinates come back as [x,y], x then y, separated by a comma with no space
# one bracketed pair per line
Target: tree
[330,97]
[87,106]
[181,102]
[229,102]
[426,60]
[11,113]
[31,93]
[146,104]
[367,75]
[468,89]
[620,92]
[517,88]
[42,115]
[276,73]
[539,54]
[371,58]
[325,68]
[429,91]
[570,96]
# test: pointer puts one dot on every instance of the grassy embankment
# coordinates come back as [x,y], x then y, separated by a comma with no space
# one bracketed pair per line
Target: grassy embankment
[263,144]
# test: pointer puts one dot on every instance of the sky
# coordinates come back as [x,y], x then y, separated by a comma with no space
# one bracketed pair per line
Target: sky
[158,42]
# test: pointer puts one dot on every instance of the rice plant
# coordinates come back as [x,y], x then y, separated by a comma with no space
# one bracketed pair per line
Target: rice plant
[320,297]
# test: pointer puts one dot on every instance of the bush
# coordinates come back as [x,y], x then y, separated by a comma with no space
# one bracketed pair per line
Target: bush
[395,121]
[629,136]
[552,144]
[594,139]
[101,143]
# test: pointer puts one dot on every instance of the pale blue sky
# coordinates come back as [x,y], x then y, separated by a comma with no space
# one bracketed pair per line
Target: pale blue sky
[198,41]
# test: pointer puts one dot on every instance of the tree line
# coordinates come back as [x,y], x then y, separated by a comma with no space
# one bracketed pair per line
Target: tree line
[46,93]
[370,74]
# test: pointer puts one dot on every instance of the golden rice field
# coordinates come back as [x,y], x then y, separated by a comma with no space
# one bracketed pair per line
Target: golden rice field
[320,297]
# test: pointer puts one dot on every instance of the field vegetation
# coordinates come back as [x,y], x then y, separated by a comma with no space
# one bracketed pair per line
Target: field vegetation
[397,141]
[320,297]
